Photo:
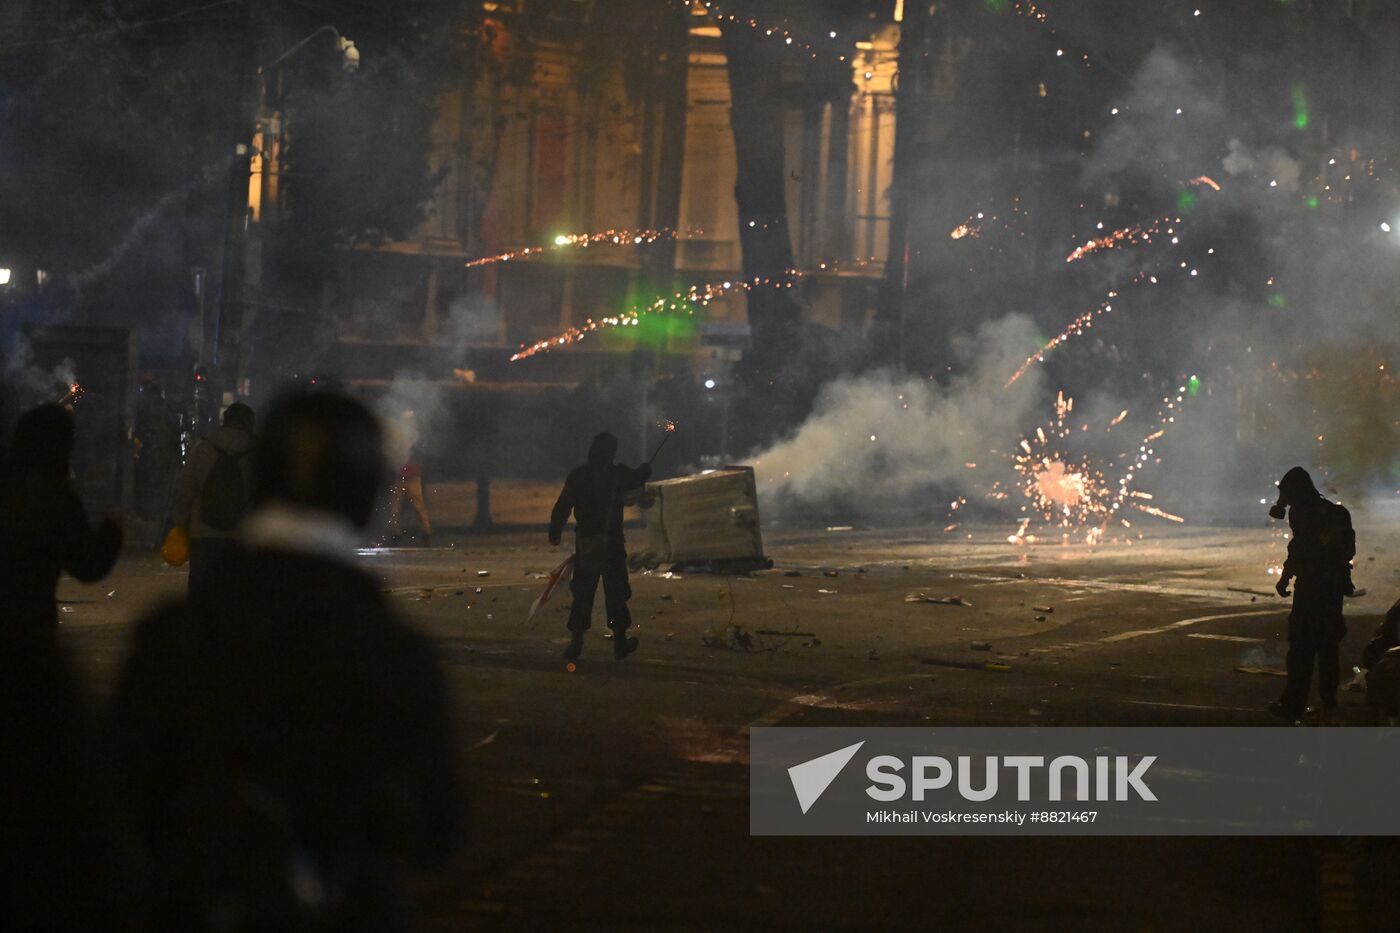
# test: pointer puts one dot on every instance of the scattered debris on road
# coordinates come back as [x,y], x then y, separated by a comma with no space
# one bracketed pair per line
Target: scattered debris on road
[939,600]
[981,646]
[734,637]
[1269,671]
[967,665]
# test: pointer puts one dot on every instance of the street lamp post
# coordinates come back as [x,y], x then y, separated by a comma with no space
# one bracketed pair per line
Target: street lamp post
[239,287]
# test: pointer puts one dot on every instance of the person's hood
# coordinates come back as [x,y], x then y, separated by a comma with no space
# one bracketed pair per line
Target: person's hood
[603,450]
[231,440]
[1296,488]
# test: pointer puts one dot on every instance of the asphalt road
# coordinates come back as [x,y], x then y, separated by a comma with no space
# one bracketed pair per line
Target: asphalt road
[615,796]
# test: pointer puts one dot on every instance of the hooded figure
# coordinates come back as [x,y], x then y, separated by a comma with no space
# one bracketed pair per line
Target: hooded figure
[593,493]
[1320,550]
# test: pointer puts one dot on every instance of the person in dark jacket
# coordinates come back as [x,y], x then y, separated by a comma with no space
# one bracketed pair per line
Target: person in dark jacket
[223,457]
[1320,550]
[282,743]
[55,865]
[44,529]
[593,493]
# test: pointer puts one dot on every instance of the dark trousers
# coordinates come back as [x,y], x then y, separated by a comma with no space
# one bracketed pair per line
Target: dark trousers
[1313,640]
[616,590]
[209,558]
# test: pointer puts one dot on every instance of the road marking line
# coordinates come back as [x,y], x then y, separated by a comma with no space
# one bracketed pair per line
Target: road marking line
[1227,709]
[1213,637]
[1139,633]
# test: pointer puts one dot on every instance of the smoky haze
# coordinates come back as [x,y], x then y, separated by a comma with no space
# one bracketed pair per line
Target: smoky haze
[1268,272]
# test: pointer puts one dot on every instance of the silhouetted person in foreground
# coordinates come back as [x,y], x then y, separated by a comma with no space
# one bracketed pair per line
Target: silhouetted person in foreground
[44,529]
[214,494]
[593,493]
[1320,550]
[54,862]
[283,744]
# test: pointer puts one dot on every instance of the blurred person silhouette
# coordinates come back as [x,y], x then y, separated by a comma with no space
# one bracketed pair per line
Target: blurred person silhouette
[409,482]
[54,861]
[593,493]
[44,529]
[214,493]
[282,742]
[1320,550]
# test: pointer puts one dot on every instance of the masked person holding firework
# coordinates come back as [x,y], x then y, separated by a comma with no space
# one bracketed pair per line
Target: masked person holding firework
[1320,550]
[593,493]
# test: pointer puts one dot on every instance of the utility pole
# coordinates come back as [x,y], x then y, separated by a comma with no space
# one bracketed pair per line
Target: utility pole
[234,290]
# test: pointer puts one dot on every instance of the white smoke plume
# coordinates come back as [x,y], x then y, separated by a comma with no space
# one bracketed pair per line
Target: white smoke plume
[884,435]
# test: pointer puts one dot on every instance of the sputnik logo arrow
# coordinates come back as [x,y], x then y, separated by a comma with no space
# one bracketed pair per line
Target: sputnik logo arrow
[811,778]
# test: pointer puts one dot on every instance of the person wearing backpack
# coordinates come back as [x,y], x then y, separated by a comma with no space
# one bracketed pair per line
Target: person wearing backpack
[213,495]
[1320,550]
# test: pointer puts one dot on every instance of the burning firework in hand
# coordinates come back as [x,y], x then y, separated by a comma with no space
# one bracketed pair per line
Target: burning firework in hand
[75,392]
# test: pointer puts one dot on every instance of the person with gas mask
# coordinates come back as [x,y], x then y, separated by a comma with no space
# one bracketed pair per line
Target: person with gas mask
[1320,550]
[593,493]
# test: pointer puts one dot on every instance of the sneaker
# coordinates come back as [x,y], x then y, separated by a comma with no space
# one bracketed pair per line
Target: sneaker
[623,645]
[574,648]
[1276,708]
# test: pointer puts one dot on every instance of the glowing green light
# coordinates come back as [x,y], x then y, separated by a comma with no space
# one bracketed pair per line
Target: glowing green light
[1185,199]
[1277,300]
[1312,201]
[561,240]
[1300,107]
[996,6]
[1193,385]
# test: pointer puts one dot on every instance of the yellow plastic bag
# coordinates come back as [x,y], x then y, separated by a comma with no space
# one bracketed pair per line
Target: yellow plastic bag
[176,549]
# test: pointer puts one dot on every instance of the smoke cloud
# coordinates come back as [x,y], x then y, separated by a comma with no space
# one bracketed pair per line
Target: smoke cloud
[884,435]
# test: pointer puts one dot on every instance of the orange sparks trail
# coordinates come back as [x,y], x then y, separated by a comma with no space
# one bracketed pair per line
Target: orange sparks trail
[697,296]
[1075,328]
[1153,510]
[568,240]
[1127,234]
[1205,180]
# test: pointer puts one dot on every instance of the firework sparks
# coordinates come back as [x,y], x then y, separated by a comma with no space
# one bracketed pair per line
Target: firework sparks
[571,240]
[962,230]
[1073,492]
[1207,181]
[1073,329]
[1129,235]
[1062,491]
[686,302]
[74,394]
